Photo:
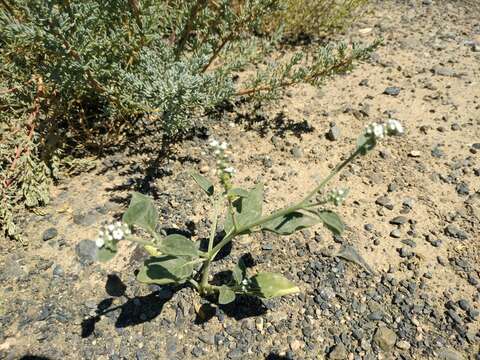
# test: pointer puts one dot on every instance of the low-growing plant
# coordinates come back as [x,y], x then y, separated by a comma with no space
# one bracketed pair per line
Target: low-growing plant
[175,259]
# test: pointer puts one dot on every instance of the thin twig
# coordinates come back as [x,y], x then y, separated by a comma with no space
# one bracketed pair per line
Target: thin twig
[198,6]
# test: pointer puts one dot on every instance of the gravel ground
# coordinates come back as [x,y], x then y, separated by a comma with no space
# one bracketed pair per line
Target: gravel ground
[402,283]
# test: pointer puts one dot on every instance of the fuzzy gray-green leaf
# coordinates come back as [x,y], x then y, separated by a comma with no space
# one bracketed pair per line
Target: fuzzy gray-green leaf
[332,221]
[178,245]
[225,295]
[105,254]
[247,209]
[165,270]
[141,212]
[269,285]
[289,223]
[204,183]
[239,272]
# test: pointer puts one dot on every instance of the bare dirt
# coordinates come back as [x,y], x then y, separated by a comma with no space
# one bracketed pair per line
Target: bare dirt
[426,286]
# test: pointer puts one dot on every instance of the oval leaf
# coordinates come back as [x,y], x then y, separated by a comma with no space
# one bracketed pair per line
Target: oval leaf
[270,285]
[365,143]
[105,254]
[288,224]
[225,295]
[204,183]
[165,270]
[178,245]
[238,192]
[239,272]
[247,209]
[332,221]
[141,212]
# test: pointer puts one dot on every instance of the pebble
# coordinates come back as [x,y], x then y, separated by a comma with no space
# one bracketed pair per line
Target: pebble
[392,91]
[403,345]
[395,233]
[415,153]
[385,338]
[338,353]
[297,152]
[398,220]
[455,232]
[333,133]
[385,202]
[86,251]
[50,233]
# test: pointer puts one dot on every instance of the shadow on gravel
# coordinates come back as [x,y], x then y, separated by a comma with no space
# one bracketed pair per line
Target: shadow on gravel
[134,311]
[280,124]
[273,356]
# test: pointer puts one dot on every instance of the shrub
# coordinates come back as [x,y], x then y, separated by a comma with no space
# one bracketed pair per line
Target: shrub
[313,17]
[77,75]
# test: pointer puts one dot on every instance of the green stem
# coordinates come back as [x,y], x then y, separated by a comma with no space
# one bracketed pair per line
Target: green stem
[206,267]
[298,206]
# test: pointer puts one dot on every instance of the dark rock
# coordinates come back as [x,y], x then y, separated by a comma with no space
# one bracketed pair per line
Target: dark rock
[50,233]
[398,220]
[455,232]
[385,202]
[392,91]
[462,189]
[86,251]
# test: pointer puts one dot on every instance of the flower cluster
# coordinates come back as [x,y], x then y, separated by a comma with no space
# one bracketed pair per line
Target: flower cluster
[220,151]
[338,196]
[379,131]
[112,233]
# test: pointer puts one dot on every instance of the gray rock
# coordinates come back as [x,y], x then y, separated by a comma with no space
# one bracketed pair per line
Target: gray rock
[453,231]
[84,219]
[50,233]
[392,91]
[86,251]
[462,189]
[442,71]
[385,202]
[333,133]
[449,354]
[398,220]
[385,338]
[396,234]
[338,353]
[297,152]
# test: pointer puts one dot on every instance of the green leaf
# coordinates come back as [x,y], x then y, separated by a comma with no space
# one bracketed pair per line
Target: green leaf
[105,254]
[238,192]
[165,270]
[141,212]
[239,272]
[270,285]
[204,183]
[332,221]
[247,209]
[366,143]
[288,224]
[225,295]
[178,245]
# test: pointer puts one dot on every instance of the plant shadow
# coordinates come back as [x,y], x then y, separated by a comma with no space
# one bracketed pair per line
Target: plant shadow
[134,311]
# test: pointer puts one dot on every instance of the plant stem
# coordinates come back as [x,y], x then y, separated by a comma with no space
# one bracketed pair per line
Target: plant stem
[298,206]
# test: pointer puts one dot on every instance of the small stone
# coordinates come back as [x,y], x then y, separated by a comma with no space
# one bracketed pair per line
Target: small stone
[392,91]
[449,354]
[338,353]
[204,169]
[456,127]
[426,2]
[398,220]
[462,189]
[385,202]
[437,152]
[86,251]
[395,233]
[50,233]
[453,231]
[333,133]
[297,152]
[442,71]
[464,304]
[84,219]
[385,338]
[403,345]
[415,153]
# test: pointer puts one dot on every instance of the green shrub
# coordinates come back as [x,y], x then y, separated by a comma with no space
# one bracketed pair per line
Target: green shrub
[77,75]
[316,16]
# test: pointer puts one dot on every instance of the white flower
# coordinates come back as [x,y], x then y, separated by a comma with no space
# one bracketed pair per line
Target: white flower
[99,242]
[111,227]
[229,170]
[214,143]
[394,127]
[379,131]
[117,234]
[223,146]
